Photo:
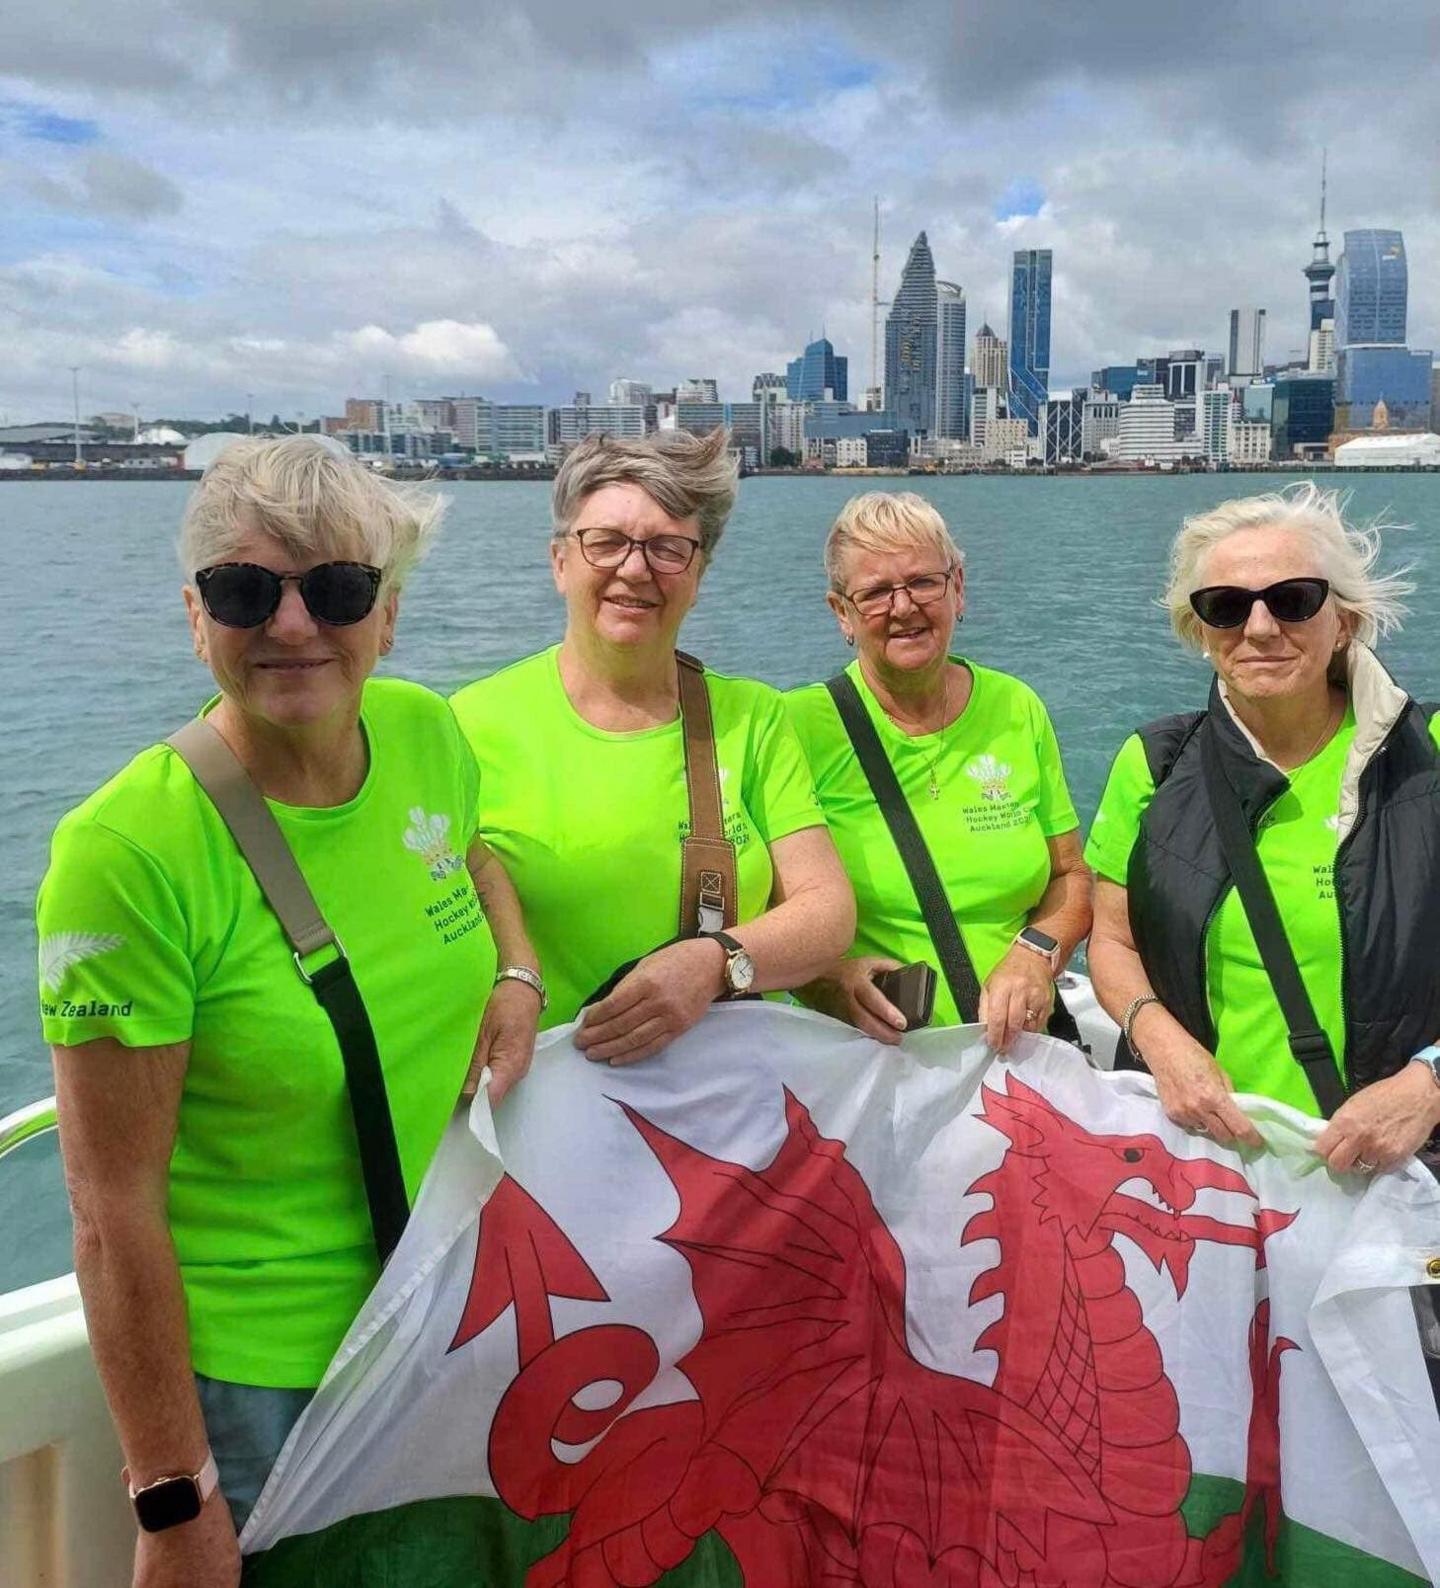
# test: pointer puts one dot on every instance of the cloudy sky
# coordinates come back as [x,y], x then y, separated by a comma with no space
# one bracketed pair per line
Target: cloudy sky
[206,199]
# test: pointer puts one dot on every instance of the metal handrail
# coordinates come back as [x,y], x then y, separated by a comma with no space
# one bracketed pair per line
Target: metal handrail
[35,1119]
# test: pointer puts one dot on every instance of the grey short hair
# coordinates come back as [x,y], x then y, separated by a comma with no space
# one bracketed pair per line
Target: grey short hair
[1345,553]
[881,521]
[312,498]
[686,476]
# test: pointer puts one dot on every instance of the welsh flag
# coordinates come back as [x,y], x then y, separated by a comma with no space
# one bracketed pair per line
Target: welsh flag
[787,1309]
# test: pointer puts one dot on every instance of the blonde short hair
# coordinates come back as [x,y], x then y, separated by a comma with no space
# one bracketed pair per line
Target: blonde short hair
[881,521]
[1345,553]
[315,500]
[686,476]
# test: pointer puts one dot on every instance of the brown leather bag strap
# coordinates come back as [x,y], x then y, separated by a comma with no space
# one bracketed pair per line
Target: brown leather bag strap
[708,885]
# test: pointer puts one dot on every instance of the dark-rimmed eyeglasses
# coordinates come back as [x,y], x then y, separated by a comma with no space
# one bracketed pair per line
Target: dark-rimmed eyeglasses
[1227,606]
[878,599]
[243,595]
[608,548]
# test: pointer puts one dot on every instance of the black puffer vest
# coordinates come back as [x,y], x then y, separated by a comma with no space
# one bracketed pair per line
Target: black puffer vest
[1387,874]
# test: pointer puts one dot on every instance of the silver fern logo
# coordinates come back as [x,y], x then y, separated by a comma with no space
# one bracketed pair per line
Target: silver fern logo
[429,837]
[991,775]
[61,952]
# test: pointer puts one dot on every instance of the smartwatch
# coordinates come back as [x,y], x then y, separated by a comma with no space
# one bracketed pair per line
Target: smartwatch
[1042,943]
[1429,1056]
[739,967]
[172,1500]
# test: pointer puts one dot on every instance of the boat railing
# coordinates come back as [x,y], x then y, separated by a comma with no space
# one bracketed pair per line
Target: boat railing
[25,1124]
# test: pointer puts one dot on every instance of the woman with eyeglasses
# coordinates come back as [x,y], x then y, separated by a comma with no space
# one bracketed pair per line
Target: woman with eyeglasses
[582,766]
[223,1238]
[1310,759]
[978,765]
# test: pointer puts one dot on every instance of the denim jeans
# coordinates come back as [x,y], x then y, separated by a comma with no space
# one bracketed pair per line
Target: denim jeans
[247,1425]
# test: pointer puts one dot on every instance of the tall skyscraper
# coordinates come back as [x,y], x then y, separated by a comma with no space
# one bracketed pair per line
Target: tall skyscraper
[1319,271]
[1371,289]
[1247,344]
[1030,334]
[818,374]
[951,418]
[991,364]
[910,333]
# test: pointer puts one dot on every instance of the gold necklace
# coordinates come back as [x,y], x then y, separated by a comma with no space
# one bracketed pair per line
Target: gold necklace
[933,789]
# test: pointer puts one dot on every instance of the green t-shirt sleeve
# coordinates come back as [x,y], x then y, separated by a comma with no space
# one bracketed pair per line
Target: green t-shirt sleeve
[779,790]
[114,960]
[1056,810]
[1128,791]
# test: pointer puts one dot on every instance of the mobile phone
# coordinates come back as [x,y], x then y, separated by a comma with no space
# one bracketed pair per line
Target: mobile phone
[912,990]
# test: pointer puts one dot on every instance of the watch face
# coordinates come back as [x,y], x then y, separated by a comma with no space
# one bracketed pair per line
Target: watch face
[167,1504]
[740,971]
[1041,940]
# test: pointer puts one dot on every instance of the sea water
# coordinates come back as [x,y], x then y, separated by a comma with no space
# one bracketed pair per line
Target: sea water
[1062,577]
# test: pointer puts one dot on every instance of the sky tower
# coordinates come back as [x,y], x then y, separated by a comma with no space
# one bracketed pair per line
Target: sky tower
[1320,271]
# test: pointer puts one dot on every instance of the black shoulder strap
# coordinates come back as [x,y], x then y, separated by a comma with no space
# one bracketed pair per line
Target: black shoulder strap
[900,819]
[1165,738]
[1308,1041]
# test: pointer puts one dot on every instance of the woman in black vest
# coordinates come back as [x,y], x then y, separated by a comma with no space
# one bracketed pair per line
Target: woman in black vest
[1329,774]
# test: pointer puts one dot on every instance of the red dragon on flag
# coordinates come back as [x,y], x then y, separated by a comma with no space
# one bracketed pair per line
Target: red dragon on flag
[819,1447]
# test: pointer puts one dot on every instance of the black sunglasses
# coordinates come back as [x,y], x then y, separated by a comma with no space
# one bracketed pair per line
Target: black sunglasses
[243,595]
[1227,606]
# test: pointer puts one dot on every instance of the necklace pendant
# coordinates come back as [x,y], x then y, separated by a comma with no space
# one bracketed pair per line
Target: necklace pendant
[934,788]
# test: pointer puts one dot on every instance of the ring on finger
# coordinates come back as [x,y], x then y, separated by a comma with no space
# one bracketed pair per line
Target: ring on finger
[1364,1166]
[1201,1130]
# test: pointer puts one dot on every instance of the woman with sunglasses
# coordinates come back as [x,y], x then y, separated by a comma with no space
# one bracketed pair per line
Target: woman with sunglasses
[582,766]
[223,1241]
[1335,772]
[978,765]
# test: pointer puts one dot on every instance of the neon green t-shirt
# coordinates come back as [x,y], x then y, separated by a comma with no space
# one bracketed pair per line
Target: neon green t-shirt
[589,823]
[153,930]
[1296,843]
[1002,795]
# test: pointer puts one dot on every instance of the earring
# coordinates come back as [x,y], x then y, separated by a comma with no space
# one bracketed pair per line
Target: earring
[959,617]
[849,639]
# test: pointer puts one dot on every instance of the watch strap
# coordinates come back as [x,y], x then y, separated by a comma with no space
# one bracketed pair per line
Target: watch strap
[531,978]
[205,1482]
[1429,1056]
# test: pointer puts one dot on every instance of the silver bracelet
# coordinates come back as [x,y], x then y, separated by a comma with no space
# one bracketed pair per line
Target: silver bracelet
[1127,1025]
[531,978]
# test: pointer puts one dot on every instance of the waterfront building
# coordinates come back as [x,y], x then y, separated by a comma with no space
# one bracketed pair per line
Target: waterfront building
[887,449]
[629,392]
[1119,380]
[1368,374]
[1003,437]
[1302,416]
[1215,409]
[1099,423]
[910,333]
[1390,452]
[364,413]
[1184,374]
[987,403]
[1030,279]
[700,417]
[818,374]
[500,432]
[1249,443]
[1147,428]
[830,420]
[851,452]
[697,390]
[1247,345]
[1371,289]
[1257,402]
[572,422]
[991,363]
[1062,427]
[435,413]
[1435,397]
[952,417]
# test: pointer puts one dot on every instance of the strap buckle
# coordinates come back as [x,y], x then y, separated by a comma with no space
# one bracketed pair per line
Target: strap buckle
[340,958]
[712,903]
[1311,1047]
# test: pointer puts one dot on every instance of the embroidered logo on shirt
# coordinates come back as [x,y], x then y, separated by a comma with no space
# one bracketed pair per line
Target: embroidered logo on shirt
[429,837]
[991,775]
[62,951]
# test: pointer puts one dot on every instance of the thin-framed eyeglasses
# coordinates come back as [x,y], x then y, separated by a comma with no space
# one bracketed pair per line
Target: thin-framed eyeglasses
[877,600]
[608,548]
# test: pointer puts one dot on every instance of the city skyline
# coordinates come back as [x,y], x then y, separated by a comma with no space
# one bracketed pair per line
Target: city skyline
[301,208]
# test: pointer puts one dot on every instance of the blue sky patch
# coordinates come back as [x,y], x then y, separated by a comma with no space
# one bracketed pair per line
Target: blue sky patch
[1024,196]
[39,125]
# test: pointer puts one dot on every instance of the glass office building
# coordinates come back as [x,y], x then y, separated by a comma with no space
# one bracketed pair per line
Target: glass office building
[817,374]
[1302,415]
[1030,334]
[910,337]
[1371,289]
[952,411]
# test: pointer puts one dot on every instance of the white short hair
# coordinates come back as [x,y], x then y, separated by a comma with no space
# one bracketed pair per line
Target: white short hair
[881,521]
[686,476]
[314,500]
[1346,554]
